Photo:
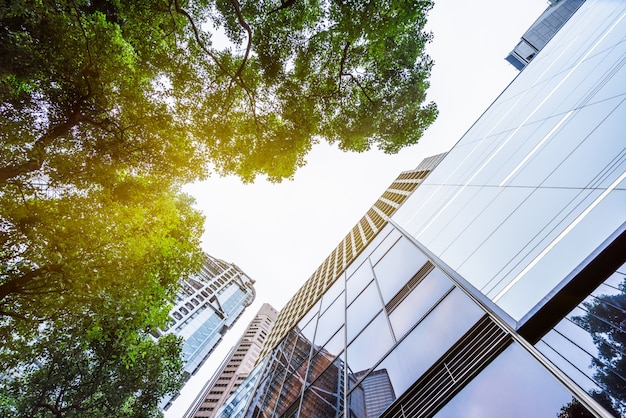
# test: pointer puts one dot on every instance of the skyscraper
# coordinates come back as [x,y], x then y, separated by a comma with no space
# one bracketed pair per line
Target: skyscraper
[540,32]
[498,287]
[237,365]
[206,307]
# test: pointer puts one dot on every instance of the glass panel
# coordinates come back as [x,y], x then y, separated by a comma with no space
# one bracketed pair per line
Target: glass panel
[308,331]
[292,386]
[432,337]
[332,293]
[566,254]
[588,345]
[372,245]
[358,281]
[370,346]
[417,303]
[384,246]
[311,315]
[330,321]
[326,354]
[513,385]
[364,308]
[277,370]
[397,267]
[324,398]
[372,396]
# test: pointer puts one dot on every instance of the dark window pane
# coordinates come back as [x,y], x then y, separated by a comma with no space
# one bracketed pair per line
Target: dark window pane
[373,396]
[324,398]
[323,356]
[589,344]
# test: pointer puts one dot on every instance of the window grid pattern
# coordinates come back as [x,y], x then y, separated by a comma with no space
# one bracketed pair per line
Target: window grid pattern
[349,249]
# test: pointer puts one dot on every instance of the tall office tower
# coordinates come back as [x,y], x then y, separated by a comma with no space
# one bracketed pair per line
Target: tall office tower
[540,32]
[377,390]
[237,365]
[498,288]
[290,364]
[206,307]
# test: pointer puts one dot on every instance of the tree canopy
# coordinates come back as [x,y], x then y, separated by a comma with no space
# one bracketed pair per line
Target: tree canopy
[177,87]
[108,107]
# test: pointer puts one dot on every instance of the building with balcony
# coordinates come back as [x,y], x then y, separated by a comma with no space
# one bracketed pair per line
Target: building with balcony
[206,307]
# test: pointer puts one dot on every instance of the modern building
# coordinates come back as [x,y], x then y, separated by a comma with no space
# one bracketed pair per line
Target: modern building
[498,287]
[236,366]
[206,307]
[540,32]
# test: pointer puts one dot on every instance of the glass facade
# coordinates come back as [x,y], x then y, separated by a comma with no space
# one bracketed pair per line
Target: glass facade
[545,164]
[206,306]
[496,289]
[590,342]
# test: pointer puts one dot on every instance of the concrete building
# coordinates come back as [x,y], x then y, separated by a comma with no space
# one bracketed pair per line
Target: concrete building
[236,367]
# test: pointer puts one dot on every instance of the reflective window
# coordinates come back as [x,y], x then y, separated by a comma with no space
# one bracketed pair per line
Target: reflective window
[362,310]
[384,246]
[513,385]
[417,303]
[324,398]
[310,316]
[588,345]
[332,293]
[308,331]
[370,346]
[326,354]
[536,184]
[372,396]
[432,337]
[358,281]
[397,267]
[330,321]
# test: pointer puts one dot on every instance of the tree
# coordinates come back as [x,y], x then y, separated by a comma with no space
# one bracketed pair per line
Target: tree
[85,277]
[61,253]
[604,320]
[97,367]
[91,87]
[108,107]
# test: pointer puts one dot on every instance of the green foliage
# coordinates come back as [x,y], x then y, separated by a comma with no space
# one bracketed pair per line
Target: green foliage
[604,319]
[96,367]
[107,107]
[91,87]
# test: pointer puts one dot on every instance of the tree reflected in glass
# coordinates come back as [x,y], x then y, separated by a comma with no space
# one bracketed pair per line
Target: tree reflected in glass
[605,321]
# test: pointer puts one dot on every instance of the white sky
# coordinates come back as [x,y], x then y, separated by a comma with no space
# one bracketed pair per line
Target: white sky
[280,233]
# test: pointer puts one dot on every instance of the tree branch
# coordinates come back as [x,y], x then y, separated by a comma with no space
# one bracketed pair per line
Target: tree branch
[16,285]
[358,83]
[283,5]
[243,24]
[196,33]
[39,151]
[342,72]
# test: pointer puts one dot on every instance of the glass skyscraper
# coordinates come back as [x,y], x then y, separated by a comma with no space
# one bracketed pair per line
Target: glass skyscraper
[496,287]
[206,307]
